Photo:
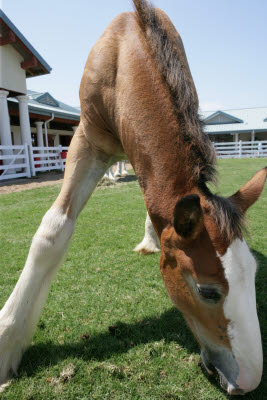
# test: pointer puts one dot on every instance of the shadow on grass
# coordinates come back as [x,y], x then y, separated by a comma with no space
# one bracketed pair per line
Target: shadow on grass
[128,178]
[261,292]
[118,339]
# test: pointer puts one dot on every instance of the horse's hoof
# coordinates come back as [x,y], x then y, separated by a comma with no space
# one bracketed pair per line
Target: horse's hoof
[146,247]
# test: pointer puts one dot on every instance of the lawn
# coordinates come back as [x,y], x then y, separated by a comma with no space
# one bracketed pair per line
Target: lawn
[108,330]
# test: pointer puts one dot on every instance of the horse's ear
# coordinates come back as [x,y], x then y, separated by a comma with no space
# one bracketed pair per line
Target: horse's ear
[250,192]
[188,217]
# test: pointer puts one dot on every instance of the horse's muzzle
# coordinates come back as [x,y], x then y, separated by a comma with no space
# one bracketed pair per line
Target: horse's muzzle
[224,362]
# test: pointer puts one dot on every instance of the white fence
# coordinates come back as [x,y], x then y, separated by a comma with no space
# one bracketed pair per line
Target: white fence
[14,162]
[26,161]
[241,149]
[47,158]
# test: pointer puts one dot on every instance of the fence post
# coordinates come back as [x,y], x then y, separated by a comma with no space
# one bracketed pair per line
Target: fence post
[240,148]
[27,160]
[30,149]
[60,158]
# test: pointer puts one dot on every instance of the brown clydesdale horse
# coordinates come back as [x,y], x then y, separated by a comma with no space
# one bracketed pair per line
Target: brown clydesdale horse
[138,101]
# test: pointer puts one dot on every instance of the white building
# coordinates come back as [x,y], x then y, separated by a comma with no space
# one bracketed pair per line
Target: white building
[23,113]
[246,124]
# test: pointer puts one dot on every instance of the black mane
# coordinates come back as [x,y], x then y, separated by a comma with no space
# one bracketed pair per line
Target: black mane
[169,54]
[171,62]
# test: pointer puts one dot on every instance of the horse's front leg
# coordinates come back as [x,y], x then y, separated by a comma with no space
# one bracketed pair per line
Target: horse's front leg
[150,243]
[20,314]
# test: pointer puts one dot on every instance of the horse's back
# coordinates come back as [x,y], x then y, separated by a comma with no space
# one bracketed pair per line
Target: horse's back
[98,89]
[117,76]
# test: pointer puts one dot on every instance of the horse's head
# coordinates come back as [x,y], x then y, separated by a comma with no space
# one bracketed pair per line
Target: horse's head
[209,273]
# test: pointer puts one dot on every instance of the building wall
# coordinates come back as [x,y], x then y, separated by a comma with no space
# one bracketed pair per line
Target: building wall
[15,130]
[220,138]
[246,137]
[261,136]
[228,137]
[56,133]
[12,76]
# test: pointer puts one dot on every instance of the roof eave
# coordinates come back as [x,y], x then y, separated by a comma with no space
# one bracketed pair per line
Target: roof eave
[58,114]
[20,38]
[232,117]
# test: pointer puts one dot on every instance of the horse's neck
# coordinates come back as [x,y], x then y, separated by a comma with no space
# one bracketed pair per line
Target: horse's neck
[152,138]
[163,183]
[161,166]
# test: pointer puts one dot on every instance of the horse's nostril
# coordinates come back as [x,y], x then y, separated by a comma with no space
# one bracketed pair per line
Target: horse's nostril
[208,367]
[235,391]
[207,364]
[229,388]
[223,382]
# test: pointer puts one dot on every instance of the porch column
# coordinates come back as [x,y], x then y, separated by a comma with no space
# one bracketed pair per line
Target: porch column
[253,136]
[39,130]
[5,130]
[25,127]
[236,137]
[74,128]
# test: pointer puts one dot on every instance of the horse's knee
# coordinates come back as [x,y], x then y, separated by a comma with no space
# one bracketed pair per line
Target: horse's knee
[52,235]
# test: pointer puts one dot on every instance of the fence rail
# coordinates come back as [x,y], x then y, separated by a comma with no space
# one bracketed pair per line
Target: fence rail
[241,149]
[46,159]
[26,161]
[14,162]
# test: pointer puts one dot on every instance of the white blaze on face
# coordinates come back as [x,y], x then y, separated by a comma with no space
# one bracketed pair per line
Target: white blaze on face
[240,308]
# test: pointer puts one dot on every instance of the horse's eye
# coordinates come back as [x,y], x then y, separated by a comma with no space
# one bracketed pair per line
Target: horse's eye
[209,293]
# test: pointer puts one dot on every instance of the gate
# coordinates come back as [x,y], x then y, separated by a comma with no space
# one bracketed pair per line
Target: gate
[14,162]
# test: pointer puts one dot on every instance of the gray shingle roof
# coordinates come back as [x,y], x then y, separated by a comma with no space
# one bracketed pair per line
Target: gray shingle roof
[61,110]
[254,119]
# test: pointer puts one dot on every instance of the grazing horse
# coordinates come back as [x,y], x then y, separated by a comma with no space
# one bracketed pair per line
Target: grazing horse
[138,102]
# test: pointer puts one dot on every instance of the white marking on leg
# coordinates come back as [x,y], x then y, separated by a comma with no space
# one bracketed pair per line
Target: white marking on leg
[118,170]
[150,243]
[110,174]
[124,171]
[20,314]
[240,308]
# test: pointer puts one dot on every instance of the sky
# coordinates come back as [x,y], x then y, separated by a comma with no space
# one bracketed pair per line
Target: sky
[225,43]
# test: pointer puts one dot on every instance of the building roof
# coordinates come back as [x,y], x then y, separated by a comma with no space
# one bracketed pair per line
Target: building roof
[235,120]
[45,104]
[33,63]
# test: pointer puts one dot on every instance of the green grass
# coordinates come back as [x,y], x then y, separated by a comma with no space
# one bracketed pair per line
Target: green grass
[149,353]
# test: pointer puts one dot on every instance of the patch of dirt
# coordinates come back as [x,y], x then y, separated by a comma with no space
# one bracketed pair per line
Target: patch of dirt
[121,372]
[4,386]
[85,336]
[106,182]
[44,179]
[67,373]
[53,178]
